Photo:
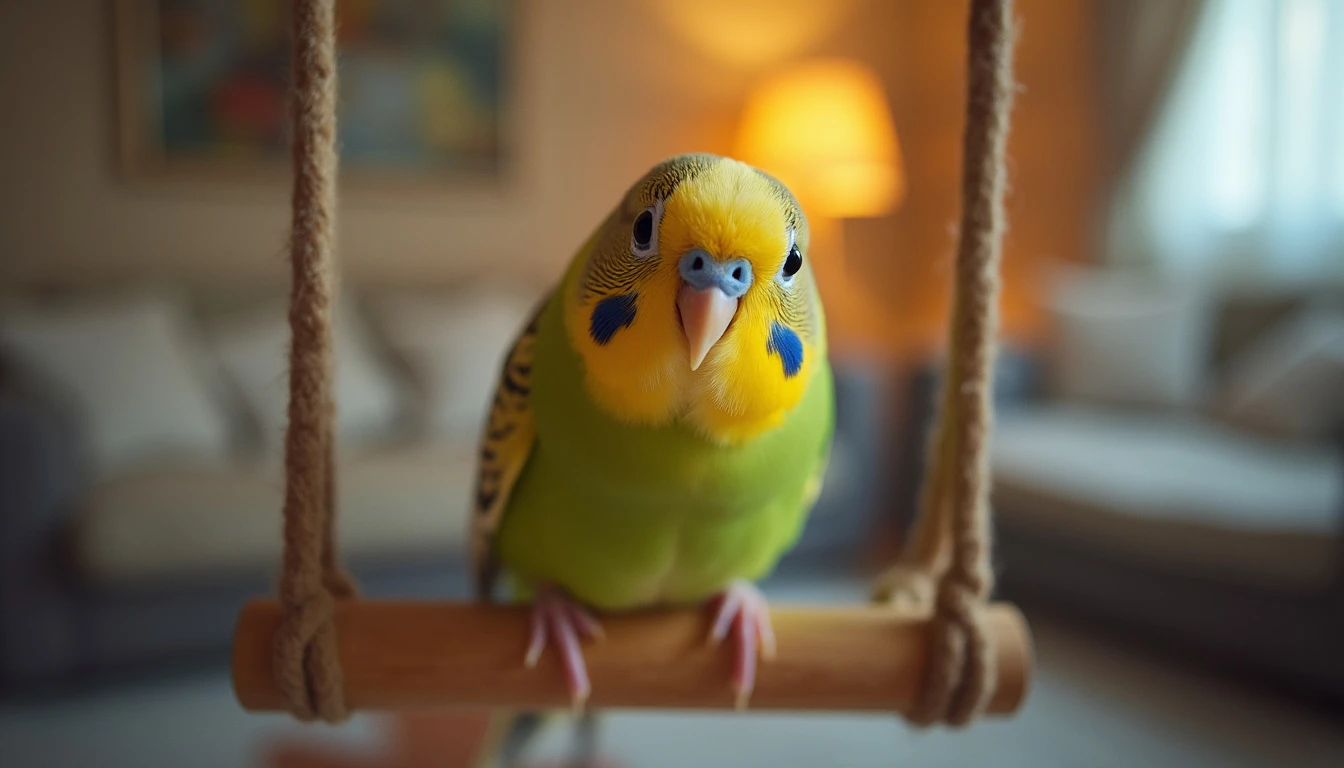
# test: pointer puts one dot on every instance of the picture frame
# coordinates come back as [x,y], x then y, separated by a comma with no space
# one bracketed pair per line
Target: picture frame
[424,87]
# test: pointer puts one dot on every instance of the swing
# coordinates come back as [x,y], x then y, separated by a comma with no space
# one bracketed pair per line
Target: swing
[932,648]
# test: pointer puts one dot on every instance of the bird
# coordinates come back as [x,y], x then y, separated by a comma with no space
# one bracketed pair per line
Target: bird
[662,424]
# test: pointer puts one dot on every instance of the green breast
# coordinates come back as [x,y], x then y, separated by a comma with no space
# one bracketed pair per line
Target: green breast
[624,516]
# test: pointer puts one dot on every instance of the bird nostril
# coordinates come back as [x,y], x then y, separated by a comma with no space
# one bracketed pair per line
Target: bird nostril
[737,273]
[699,263]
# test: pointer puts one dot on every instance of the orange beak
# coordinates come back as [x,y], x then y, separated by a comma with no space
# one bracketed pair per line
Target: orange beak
[705,315]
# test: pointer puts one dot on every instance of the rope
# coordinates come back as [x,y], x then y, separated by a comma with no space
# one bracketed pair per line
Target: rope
[961,673]
[307,666]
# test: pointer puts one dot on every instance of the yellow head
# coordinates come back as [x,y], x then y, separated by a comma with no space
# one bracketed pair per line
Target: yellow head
[695,300]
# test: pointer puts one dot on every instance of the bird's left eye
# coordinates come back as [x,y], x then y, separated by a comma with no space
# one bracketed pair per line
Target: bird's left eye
[793,262]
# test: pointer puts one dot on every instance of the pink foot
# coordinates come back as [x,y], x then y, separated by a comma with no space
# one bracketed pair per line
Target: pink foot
[558,620]
[742,610]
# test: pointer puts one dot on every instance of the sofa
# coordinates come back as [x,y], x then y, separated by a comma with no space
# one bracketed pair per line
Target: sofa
[1168,466]
[140,461]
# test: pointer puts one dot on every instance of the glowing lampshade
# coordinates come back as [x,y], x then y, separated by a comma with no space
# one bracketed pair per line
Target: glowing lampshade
[823,127]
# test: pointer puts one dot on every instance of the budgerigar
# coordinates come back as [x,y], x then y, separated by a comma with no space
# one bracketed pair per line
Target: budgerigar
[661,427]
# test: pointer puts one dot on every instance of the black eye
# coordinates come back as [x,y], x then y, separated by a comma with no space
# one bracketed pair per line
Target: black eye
[644,229]
[793,263]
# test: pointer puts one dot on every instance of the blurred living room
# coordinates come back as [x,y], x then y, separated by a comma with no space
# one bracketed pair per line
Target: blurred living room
[1167,460]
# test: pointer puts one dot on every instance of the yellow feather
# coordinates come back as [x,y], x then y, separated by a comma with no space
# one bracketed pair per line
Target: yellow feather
[642,375]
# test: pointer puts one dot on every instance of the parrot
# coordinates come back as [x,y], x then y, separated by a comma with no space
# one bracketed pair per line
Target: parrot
[661,426]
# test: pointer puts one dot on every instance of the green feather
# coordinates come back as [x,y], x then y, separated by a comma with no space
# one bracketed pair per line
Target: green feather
[624,516]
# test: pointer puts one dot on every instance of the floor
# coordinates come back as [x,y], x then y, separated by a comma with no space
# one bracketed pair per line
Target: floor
[1092,705]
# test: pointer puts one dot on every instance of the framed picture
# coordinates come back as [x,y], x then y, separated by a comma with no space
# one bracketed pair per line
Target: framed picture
[203,87]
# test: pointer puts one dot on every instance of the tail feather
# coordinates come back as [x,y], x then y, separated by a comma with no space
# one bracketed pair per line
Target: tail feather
[585,740]
[515,732]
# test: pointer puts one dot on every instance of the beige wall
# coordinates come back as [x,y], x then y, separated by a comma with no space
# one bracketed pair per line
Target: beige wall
[604,88]
[68,214]
[1053,151]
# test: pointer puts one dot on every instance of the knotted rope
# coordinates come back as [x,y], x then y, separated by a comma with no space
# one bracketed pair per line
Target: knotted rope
[961,672]
[307,667]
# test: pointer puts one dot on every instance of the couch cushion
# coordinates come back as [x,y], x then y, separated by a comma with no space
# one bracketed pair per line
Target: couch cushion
[129,366]
[1289,383]
[252,348]
[454,344]
[197,523]
[1174,490]
[1125,339]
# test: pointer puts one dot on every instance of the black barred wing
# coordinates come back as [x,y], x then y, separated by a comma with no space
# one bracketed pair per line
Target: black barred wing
[505,446]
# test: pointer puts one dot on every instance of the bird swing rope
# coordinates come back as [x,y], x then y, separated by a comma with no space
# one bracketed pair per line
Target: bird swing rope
[961,672]
[971,658]
[307,667]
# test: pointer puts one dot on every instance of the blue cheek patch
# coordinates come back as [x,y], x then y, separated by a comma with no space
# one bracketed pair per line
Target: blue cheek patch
[785,343]
[611,315]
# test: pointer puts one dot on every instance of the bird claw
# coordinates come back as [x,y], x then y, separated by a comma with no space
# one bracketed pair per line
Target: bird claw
[559,621]
[742,612]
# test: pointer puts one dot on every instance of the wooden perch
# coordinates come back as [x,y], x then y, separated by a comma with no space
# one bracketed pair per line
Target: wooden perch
[399,655]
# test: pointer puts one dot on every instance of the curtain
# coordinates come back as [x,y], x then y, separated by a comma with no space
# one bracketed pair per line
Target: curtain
[1141,46]
[1242,169]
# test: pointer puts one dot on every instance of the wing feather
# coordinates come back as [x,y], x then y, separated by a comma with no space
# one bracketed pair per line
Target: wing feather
[506,444]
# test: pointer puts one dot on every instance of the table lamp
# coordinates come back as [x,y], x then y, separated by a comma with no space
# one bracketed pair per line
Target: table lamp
[823,127]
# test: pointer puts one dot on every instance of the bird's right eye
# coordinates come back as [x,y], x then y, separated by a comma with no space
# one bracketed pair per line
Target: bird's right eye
[644,229]
[644,232]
